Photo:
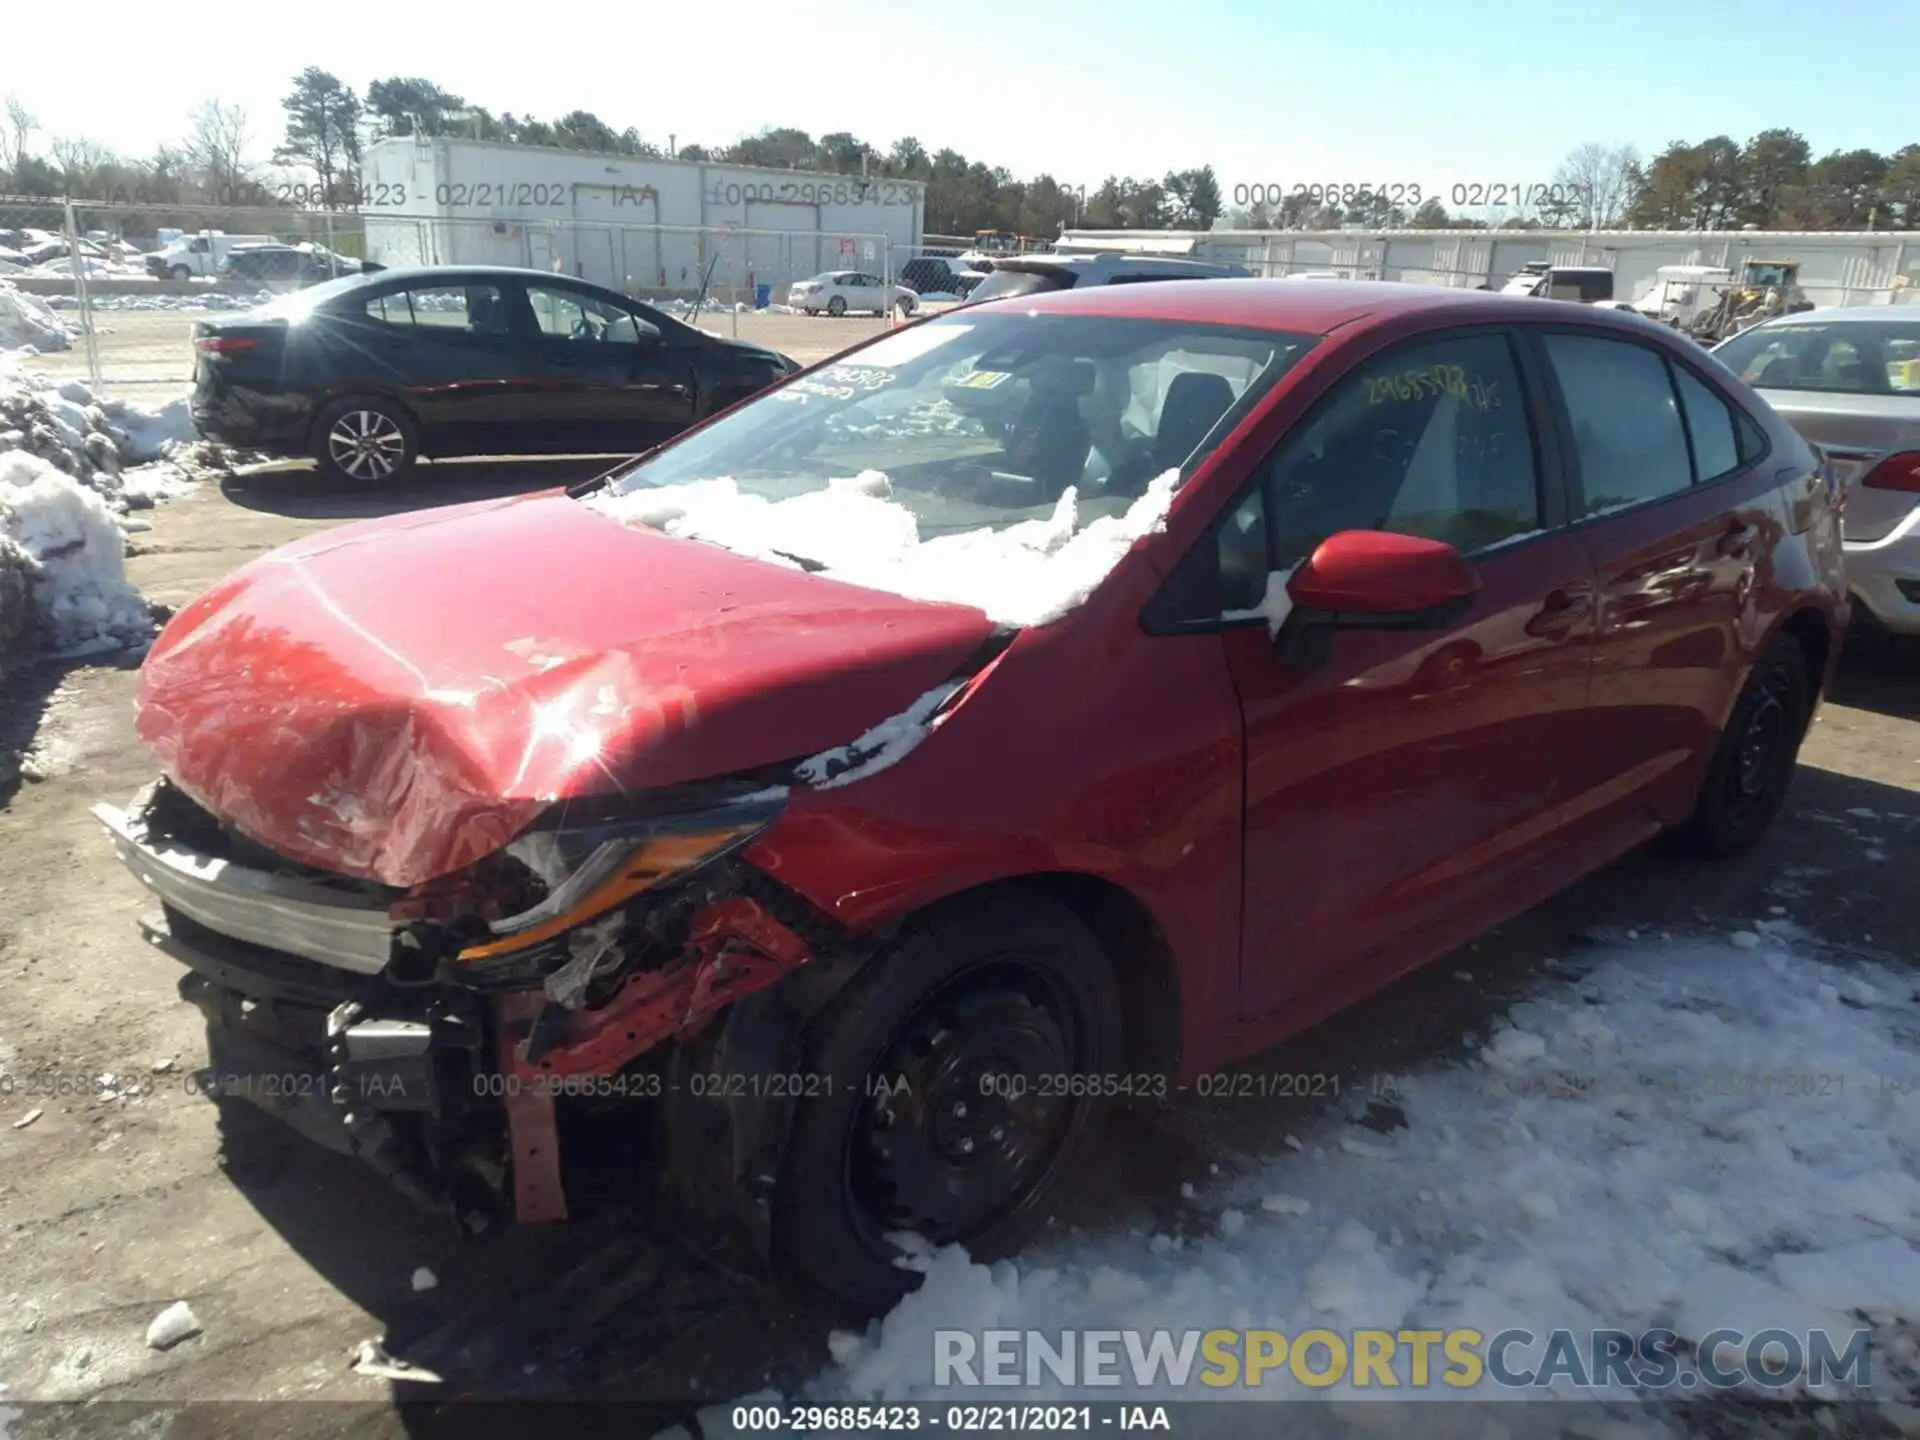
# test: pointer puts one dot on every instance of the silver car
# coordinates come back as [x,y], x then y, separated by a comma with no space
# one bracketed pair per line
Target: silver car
[1848,379]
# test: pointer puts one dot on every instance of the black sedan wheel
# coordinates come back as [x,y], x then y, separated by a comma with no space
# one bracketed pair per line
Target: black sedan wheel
[365,440]
[1747,781]
[947,1104]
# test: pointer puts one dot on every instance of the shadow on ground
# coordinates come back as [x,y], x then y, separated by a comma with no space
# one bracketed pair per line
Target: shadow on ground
[299,491]
[24,695]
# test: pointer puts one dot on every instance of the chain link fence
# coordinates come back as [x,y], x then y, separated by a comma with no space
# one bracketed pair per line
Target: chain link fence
[120,314]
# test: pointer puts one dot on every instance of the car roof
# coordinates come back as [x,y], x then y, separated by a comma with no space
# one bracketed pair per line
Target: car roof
[454,274]
[1310,309]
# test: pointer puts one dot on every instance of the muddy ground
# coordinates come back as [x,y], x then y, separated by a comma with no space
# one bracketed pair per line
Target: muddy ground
[111,1208]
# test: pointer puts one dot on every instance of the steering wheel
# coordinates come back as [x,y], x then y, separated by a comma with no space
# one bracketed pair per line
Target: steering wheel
[586,328]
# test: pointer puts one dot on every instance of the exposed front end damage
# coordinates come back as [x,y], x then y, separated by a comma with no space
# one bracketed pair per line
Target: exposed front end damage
[438,1031]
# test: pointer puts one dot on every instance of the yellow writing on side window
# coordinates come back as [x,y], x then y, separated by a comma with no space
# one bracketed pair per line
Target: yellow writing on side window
[1433,380]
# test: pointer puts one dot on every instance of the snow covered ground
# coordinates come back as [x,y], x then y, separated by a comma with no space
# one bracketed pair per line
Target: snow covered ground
[202,300]
[1684,1132]
[72,467]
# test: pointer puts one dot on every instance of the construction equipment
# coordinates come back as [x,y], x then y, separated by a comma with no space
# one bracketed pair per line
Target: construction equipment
[1763,289]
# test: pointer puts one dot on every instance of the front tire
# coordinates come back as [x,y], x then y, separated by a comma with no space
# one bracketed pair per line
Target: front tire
[837,306]
[940,1116]
[365,440]
[179,272]
[1753,765]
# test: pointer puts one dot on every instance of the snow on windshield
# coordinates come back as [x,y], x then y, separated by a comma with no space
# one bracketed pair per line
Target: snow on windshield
[1006,462]
[853,531]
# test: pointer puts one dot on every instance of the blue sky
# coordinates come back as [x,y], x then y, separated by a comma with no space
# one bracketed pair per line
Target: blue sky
[1364,91]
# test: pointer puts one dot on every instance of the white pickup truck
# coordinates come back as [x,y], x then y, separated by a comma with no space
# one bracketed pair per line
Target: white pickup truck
[199,254]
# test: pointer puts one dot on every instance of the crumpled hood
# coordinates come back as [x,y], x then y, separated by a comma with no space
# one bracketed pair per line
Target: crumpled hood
[395,699]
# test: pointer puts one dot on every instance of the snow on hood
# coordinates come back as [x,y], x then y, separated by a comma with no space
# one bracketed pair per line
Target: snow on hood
[28,322]
[1681,1133]
[1027,574]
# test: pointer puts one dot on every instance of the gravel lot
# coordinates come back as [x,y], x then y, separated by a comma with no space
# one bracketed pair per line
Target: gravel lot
[115,1207]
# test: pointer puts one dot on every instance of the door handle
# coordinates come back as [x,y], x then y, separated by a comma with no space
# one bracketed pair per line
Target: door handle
[1737,543]
[1558,614]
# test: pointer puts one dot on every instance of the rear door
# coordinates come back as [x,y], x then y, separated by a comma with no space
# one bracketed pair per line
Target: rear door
[1673,496]
[613,378]
[451,349]
[1411,782]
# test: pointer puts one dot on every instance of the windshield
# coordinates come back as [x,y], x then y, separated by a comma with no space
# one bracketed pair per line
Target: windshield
[958,427]
[1870,357]
[1005,284]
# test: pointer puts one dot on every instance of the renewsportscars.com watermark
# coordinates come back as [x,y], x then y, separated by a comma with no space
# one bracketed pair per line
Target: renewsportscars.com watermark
[1401,1359]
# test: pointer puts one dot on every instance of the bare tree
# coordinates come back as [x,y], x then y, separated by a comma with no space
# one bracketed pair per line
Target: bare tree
[79,160]
[216,148]
[13,138]
[1598,182]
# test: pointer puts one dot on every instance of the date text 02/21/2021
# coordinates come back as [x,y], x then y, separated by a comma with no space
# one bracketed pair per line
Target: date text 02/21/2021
[1472,194]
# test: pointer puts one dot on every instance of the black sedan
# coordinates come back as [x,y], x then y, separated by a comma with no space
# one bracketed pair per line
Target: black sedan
[369,372]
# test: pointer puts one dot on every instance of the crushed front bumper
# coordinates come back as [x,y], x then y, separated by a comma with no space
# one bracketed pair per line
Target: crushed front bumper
[320,1011]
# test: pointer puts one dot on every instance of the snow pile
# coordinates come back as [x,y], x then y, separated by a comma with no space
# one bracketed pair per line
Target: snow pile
[854,531]
[206,300]
[62,550]
[132,455]
[1684,1135]
[28,322]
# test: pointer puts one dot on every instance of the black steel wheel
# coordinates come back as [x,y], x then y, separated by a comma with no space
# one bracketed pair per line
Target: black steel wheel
[1747,781]
[946,1105]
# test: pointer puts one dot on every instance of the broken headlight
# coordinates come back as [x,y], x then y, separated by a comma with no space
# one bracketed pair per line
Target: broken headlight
[589,869]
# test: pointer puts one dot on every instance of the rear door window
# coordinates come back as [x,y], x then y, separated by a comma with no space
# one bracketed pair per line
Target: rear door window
[475,309]
[1627,433]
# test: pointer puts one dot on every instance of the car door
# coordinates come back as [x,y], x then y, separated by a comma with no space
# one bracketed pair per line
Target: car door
[1670,493]
[615,379]
[451,349]
[1409,780]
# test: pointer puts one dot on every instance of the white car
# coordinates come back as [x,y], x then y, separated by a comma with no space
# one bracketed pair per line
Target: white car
[839,291]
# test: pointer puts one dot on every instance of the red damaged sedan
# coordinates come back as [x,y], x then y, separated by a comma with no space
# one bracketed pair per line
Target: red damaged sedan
[1043,703]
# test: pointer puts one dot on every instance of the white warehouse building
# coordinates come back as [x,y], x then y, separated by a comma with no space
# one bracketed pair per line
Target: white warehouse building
[645,226]
[1836,267]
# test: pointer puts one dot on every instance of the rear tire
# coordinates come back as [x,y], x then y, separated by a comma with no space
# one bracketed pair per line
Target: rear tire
[998,986]
[1753,765]
[365,440]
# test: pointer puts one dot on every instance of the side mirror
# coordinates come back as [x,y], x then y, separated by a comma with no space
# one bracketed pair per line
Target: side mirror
[1373,580]
[645,334]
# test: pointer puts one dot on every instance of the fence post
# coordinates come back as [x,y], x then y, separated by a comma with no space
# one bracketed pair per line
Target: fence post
[81,293]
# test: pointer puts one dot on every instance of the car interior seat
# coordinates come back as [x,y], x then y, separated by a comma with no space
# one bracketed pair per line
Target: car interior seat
[1195,402]
[1050,439]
